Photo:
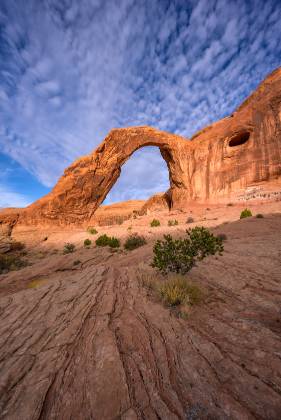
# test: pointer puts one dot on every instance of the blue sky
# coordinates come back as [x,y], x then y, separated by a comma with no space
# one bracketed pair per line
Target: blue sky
[71,70]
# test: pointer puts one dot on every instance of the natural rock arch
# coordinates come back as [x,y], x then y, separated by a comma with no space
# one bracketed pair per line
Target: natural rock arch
[85,183]
[237,158]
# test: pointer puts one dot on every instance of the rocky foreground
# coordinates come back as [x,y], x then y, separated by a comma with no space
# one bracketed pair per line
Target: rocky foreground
[90,341]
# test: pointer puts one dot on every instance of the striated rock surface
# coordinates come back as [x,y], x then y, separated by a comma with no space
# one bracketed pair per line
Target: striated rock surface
[89,342]
[237,158]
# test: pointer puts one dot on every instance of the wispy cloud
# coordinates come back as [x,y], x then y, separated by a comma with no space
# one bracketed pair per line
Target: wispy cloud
[70,71]
[12,198]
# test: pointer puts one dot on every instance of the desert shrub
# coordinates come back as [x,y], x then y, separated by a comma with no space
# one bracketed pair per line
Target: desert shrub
[155,223]
[259,216]
[129,228]
[76,262]
[17,246]
[92,230]
[68,248]
[45,239]
[134,241]
[11,262]
[180,255]
[189,220]
[105,240]
[222,236]
[177,291]
[229,204]
[173,223]
[245,213]
[87,242]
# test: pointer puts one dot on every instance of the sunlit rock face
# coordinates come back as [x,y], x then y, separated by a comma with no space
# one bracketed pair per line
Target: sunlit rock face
[237,158]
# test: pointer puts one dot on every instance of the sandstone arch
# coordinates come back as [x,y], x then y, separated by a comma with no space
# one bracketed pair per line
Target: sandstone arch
[85,183]
[237,158]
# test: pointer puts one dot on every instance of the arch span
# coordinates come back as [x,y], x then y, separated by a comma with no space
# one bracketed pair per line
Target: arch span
[85,183]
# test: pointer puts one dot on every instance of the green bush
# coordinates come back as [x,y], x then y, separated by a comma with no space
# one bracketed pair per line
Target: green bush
[259,216]
[180,255]
[92,230]
[87,242]
[105,240]
[68,248]
[155,223]
[11,262]
[177,291]
[245,213]
[173,223]
[134,241]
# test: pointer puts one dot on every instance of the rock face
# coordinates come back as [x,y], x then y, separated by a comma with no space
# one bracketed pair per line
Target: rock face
[90,342]
[237,158]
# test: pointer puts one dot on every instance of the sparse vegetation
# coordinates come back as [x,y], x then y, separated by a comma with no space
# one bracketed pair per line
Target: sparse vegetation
[92,230]
[259,216]
[68,248]
[76,262]
[129,228]
[177,291]
[45,239]
[11,262]
[173,222]
[134,241]
[155,223]
[35,283]
[105,240]
[180,255]
[87,242]
[189,220]
[229,204]
[245,213]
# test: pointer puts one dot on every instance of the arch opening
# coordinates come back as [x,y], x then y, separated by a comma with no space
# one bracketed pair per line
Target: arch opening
[144,174]
[239,139]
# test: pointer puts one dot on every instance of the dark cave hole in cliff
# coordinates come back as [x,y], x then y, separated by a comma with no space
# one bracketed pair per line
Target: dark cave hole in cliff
[239,139]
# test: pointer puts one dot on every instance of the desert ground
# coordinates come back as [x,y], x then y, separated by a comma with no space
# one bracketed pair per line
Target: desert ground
[83,336]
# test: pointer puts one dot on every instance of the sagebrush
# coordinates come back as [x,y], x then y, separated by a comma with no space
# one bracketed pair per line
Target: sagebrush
[92,230]
[105,240]
[68,248]
[245,213]
[180,255]
[173,222]
[134,241]
[155,223]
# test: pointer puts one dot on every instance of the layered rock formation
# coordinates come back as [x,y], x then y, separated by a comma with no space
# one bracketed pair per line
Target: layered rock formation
[236,158]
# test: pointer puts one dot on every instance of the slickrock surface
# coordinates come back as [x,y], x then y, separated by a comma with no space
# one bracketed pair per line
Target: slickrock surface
[237,158]
[90,342]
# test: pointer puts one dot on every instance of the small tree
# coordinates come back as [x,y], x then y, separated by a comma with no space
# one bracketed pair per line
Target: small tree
[180,255]
[245,213]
